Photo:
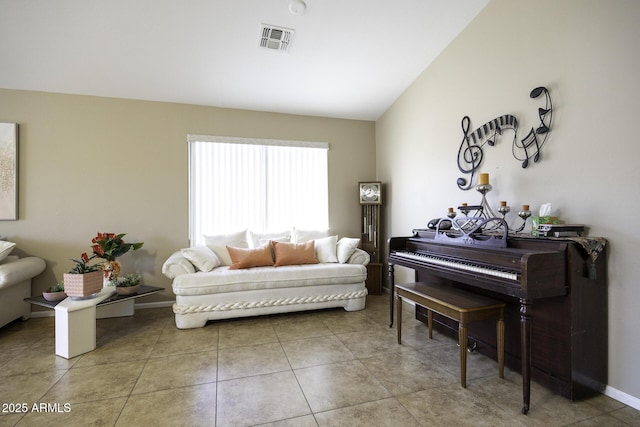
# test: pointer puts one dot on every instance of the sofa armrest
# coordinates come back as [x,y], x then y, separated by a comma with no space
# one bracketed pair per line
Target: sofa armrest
[177,265]
[16,271]
[359,257]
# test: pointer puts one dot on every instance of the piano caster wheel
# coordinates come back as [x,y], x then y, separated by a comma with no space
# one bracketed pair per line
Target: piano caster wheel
[525,409]
[471,346]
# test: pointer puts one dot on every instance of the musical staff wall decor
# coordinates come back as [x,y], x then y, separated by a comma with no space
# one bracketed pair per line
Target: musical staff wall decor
[471,153]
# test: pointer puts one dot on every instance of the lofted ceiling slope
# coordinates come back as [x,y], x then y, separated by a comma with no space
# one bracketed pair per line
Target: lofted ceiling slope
[347,58]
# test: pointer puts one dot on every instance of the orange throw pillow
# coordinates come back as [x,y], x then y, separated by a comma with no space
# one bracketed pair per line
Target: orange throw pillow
[294,254]
[247,258]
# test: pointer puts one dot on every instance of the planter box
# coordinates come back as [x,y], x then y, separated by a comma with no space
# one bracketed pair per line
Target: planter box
[82,285]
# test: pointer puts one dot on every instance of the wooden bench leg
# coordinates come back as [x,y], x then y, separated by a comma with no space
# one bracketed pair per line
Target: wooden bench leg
[399,318]
[500,335]
[434,297]
[462,342]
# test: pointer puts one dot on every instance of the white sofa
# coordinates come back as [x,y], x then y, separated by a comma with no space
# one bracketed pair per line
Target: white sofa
[209,285]
[15,283]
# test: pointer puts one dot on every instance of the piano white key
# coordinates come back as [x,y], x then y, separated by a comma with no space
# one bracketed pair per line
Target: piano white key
[460,265]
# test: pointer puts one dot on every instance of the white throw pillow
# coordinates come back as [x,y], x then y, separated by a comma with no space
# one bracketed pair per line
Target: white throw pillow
[5,249]
[201,257]
[258,240]
[177,265]
[326,249]
[218,244]
[345,248]
[301,236]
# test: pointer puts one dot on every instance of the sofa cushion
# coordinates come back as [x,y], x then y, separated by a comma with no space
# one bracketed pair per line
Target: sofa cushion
[5,249]
[16,270]
[10,258]
[326,249]
[259,239]
[218,244]
[301,236]
[294,253]
[177,265]
[248,258]
[202,258]
[221,279]
[345,248]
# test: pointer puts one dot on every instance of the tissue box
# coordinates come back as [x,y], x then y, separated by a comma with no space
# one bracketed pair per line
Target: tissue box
[537,220]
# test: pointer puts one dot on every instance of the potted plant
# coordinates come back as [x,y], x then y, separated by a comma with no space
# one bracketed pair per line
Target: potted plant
[84,279]
[55,292]
[129,284]
[110,246]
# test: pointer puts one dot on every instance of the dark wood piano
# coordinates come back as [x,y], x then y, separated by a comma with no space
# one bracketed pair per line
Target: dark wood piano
[556,295]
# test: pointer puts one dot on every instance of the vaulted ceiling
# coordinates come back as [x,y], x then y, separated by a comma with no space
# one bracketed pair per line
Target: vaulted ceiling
[347,58]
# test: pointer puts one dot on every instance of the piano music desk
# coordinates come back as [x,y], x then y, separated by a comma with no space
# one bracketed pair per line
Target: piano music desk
[461,306]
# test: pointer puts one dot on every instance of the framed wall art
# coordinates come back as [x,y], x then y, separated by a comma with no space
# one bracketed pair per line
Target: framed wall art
[8,171]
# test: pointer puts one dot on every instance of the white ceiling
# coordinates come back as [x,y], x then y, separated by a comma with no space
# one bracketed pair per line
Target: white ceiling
[348,59]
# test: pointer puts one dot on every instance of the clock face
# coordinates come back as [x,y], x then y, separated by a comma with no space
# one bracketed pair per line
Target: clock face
[370,192]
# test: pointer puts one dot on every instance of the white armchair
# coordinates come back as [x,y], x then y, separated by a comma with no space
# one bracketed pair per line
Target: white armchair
[15,285]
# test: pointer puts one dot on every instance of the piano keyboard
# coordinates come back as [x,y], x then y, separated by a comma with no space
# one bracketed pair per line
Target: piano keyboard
[459,265]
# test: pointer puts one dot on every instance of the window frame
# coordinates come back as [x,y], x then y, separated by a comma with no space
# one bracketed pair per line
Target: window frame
[199,138]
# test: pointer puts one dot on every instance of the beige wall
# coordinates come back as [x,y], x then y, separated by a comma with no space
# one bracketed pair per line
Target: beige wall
[91,164]
[586,53]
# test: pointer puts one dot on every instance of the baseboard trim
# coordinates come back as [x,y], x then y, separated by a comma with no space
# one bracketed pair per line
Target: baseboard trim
[623,397]
[157,304]
[43,313]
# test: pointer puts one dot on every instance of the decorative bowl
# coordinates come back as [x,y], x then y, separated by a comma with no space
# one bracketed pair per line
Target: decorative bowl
[127,290]
[54,296]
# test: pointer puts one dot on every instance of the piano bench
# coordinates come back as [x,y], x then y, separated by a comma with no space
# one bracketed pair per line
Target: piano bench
[461,306]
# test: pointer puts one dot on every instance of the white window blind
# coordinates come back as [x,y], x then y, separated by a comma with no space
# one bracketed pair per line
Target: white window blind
[263,185]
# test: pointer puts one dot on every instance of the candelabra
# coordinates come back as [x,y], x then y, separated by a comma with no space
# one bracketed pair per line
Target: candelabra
[483,211]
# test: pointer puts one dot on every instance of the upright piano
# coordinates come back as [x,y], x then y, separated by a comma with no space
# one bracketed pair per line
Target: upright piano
[556,295]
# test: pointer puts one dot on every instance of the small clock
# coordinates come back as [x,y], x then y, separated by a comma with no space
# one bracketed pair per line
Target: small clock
[371,193]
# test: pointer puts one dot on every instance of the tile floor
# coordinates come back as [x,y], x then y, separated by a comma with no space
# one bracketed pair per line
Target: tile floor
[324,368]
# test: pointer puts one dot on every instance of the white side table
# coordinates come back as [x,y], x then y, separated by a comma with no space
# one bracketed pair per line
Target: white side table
[76,324]
[76,319]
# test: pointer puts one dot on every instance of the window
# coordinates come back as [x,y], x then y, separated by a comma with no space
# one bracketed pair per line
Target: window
[260,184]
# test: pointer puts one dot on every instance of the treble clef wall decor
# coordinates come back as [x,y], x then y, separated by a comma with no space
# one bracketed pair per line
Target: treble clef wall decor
[471,154]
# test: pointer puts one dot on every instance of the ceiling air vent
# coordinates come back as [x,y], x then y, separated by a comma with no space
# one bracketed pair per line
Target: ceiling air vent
[275,38]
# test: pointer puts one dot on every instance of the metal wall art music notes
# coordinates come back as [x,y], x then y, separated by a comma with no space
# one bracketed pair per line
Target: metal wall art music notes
[471,153]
